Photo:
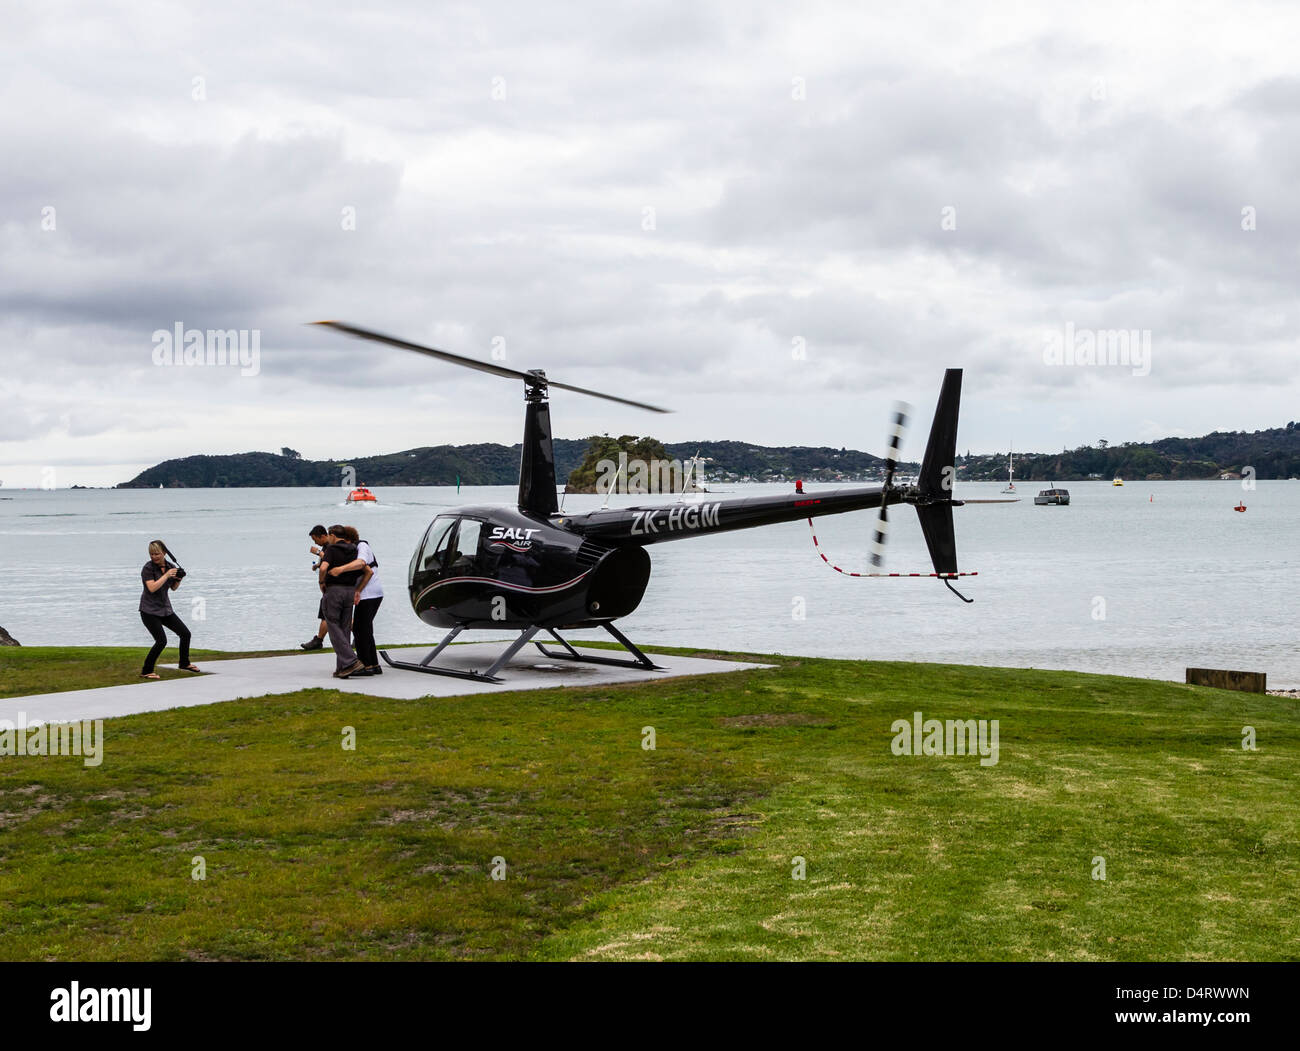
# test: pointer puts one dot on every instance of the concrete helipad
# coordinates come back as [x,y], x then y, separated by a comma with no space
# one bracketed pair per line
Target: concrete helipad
[229,680]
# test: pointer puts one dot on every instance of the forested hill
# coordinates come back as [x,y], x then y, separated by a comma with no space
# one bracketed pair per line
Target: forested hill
[1273,453]
[491,465]
[487,464]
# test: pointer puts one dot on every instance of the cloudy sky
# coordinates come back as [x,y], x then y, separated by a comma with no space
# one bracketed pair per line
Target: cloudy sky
[774,218]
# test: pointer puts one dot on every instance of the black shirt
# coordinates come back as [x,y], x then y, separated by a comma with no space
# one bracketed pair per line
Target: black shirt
[341,554]
[156,602]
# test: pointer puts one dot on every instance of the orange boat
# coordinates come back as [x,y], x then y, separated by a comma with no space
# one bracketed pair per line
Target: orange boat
[361,495]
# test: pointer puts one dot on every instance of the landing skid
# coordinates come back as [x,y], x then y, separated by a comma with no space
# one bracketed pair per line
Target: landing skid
[426,665]
[642,661]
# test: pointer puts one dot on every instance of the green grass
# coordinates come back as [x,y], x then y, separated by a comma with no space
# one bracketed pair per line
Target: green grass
[28,670]
[49,669]
[683,852]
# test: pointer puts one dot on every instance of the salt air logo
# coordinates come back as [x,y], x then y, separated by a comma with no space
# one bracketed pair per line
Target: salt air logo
[953,737]
[84,738]
[694,516]
[1088,346]
[512,536]
[212,347]
[76,1004]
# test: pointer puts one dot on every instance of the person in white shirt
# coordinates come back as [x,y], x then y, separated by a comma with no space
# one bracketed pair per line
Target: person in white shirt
[370,593]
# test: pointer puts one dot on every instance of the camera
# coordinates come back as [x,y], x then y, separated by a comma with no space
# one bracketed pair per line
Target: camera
[180,573]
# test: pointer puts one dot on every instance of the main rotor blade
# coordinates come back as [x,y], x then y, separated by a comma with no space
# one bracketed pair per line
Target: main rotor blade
[607,397]
[433,352]
[474,363]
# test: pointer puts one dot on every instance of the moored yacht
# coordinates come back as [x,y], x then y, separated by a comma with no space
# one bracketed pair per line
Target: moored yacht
[1053,496]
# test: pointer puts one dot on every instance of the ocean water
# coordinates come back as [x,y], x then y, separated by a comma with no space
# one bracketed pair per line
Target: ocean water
[1143,580]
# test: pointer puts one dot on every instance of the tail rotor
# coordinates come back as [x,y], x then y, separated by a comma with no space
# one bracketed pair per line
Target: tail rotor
[896,432]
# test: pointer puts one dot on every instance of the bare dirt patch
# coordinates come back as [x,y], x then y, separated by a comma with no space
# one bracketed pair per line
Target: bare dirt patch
[775,719]
[451,809]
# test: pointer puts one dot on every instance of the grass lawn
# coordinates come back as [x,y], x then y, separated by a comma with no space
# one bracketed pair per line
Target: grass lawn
[52,669]
[612,851]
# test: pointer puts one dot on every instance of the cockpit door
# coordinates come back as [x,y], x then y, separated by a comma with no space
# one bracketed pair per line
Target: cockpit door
[431,556]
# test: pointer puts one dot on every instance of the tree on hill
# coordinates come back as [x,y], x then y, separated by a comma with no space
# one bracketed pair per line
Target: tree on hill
[629,463]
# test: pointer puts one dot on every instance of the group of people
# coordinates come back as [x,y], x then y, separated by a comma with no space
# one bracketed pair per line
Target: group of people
[350,598]
[347,572]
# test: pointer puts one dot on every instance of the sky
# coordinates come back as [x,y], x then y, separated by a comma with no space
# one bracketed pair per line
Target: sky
[776,219]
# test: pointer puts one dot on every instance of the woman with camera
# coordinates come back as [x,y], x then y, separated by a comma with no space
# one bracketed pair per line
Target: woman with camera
[159,577]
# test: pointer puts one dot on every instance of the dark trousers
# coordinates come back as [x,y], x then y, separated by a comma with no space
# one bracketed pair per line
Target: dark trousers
[363,630]
[155,624]
[338,618]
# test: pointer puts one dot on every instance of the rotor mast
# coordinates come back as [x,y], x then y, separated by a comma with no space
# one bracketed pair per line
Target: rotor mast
[537,457]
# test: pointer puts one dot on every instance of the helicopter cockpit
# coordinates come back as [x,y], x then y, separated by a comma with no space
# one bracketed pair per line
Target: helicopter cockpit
[450,548]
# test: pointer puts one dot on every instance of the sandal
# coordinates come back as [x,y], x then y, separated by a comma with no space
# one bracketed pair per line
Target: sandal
[150,675]
[187,667]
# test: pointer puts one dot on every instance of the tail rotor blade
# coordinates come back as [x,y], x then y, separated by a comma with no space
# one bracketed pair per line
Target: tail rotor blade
[896,431]
[897,428]
[881,535]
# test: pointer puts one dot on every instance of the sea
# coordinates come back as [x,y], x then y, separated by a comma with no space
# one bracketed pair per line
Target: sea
[1143,580]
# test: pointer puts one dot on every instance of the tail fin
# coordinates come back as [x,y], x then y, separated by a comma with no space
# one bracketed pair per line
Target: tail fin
[937,470]
[934,506]
[936,524]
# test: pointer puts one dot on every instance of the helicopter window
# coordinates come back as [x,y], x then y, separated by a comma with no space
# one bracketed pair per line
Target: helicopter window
[419,548]
[465,561]
[435,545]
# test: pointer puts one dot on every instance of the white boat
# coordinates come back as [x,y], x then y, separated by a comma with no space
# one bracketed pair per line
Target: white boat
[1053,497]
[1010,487]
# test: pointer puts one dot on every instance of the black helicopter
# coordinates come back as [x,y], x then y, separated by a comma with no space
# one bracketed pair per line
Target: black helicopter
[534,568]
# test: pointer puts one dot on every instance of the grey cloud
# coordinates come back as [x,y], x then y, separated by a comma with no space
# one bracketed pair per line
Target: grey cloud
[519,217]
